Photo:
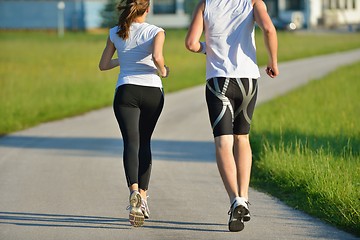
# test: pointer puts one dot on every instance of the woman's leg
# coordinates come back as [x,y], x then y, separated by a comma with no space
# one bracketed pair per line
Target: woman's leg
[151,107]
[128,119]
[137,109]
[128,115]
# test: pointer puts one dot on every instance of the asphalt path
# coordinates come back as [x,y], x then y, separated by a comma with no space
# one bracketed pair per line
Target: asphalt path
[64,179]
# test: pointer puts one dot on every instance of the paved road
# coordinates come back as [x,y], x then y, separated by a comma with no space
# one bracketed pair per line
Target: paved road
[64,180]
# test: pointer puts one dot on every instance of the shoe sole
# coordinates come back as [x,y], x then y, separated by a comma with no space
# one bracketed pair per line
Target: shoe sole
[246,218]
[136,217]
[238,214]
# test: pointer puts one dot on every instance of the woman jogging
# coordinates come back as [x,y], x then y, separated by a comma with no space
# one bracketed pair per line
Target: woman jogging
[139,97]
[231,87]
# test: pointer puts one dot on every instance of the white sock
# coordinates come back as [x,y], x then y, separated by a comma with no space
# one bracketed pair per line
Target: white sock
[235,199]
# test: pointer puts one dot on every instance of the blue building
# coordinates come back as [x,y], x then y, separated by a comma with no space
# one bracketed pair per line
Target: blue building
[85,14]
[80,14]
[44,14]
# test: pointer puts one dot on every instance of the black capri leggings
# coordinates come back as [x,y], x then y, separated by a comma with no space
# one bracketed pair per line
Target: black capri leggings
[137,109]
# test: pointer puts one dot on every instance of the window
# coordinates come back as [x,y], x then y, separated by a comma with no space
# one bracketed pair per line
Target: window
[326,4]
[272,7]
[338,4]
[164,7]
[294,5]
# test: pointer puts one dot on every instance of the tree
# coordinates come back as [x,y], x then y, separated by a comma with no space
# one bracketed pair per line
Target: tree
[109,14]
[189,6]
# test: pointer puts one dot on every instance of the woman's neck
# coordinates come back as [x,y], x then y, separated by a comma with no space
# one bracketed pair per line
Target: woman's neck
[140,19]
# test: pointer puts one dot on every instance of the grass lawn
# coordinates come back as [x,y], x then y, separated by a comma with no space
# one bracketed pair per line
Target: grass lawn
[307,148]
[43,77]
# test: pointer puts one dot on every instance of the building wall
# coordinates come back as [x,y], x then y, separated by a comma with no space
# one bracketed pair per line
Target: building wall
[333,13]
[328,13]
[29,14]
[80,14]
[92,11]
[85,14]
[44,14]
[172,15]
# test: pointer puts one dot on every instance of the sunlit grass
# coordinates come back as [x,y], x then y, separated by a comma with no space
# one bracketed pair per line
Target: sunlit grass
[307,148]
[43,77]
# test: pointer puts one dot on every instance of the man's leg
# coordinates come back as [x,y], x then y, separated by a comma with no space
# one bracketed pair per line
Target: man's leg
[243,160]
[226,164]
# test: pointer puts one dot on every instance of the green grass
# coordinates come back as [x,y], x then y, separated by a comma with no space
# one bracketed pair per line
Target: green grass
[303,44]
[307,148]
[44,78]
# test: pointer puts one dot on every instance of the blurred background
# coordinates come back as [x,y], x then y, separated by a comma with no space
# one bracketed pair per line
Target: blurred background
[95,14]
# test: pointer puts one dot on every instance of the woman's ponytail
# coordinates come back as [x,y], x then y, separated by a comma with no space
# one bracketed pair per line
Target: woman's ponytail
[129,10]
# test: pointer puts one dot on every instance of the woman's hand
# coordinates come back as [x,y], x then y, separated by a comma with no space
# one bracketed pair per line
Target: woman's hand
[167,71]
[157,55]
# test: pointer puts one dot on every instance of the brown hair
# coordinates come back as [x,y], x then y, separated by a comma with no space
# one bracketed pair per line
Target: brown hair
[129,10]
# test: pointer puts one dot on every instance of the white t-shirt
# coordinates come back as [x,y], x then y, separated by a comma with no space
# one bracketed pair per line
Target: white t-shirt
[230,43]
[135,55]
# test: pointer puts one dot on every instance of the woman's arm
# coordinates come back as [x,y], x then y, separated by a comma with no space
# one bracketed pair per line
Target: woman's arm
[158,56]
[262,18]
[106,61]
[192,41]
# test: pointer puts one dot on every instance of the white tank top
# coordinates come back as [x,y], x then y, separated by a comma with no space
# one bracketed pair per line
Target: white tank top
[135,55]
[230,43]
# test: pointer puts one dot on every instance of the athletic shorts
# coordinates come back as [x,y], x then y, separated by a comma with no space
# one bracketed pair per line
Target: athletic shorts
[231,103]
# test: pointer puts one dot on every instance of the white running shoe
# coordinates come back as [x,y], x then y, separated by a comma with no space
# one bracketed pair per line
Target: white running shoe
[239,212]
[136,216]
[145,209]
